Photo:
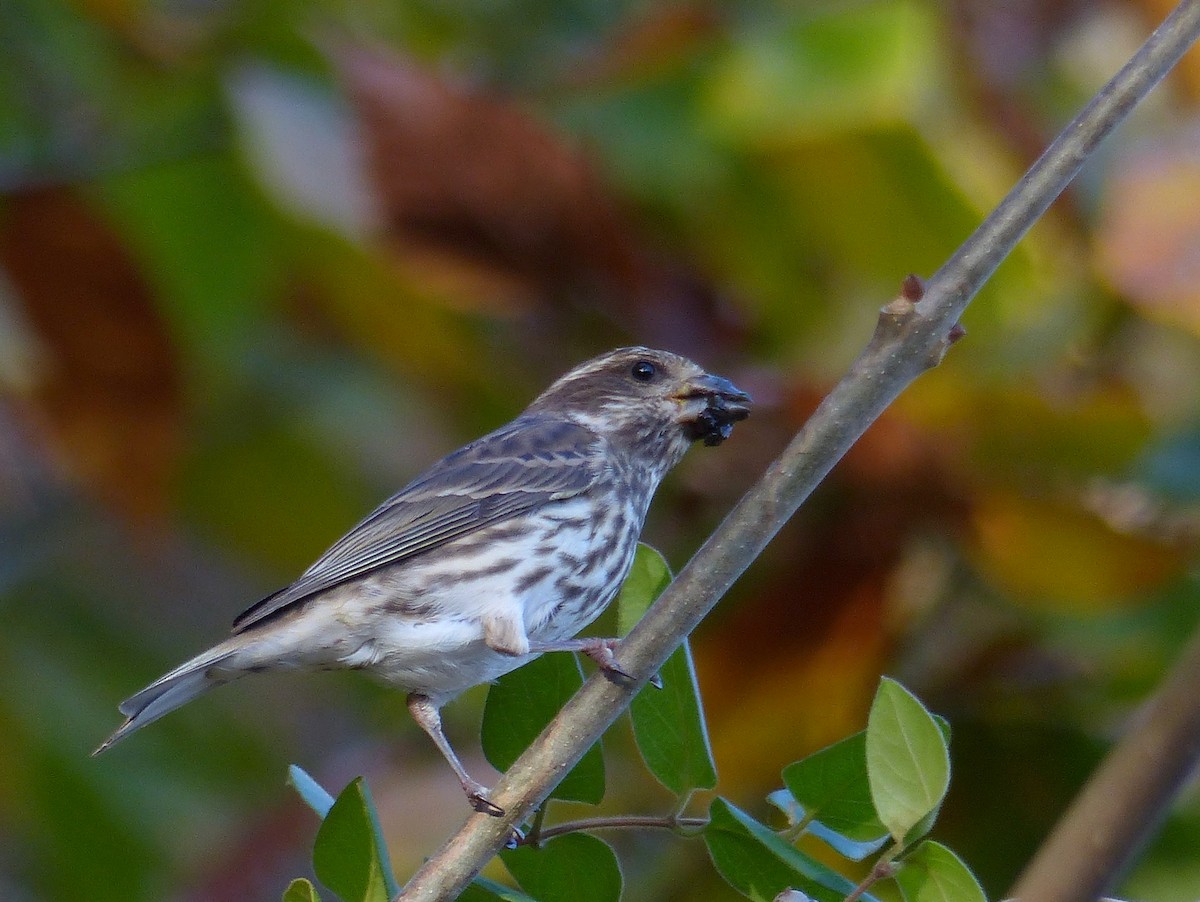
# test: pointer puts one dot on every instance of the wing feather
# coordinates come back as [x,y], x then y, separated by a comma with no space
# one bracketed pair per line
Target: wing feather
[516,469]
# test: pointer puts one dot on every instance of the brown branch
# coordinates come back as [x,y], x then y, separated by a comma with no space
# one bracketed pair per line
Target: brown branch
[912,334]
[1126,797]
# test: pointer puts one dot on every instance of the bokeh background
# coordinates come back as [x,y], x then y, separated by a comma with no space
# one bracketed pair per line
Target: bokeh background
[261,262]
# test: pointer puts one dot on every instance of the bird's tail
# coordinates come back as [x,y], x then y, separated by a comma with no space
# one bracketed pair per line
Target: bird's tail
[170,691]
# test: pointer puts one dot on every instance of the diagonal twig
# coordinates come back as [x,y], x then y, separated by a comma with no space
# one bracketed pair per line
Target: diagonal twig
[911,335]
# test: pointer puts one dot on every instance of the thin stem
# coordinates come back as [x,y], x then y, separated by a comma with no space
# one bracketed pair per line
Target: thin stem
[682,803]
[909,338]
[883,869]
[620,822]
[534,836]
[794,832]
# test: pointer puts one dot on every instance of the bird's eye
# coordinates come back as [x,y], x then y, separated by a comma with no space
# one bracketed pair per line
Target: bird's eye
[643,371]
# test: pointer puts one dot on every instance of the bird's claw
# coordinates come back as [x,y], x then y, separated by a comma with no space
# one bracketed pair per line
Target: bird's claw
[602,653]
[477,797]
[515,838]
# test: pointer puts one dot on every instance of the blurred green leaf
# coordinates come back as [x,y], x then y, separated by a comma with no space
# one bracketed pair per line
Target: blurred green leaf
[760,865]
[832,787]
[518,707]
[312,792]
[907,760]
[240,488]
[668,723]
[932,873]
[210,243]
[576,867]
[350,856]
[300,890]
[828,71]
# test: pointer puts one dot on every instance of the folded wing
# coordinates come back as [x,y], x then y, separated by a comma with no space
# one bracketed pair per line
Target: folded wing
[516,469]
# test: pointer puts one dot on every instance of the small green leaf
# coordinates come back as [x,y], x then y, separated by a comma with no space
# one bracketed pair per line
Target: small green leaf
[300,890]
[518,707]
[908,763]
[760,865]
[932,873]
[312,792]
[832,787]
[350,856]
[648,577]
[668,723]
[576,867]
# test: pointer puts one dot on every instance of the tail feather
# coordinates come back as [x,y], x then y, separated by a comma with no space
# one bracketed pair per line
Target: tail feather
[170,691]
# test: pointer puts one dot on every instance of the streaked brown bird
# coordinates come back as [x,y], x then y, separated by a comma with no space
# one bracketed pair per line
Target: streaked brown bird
[500,551]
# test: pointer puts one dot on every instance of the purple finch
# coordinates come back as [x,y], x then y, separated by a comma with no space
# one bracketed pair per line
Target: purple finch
[499,552]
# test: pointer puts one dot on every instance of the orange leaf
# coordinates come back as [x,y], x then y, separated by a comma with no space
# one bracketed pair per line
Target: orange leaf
[1050,553]
[108,397]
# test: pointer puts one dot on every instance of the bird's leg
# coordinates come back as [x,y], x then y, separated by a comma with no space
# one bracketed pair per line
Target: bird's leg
[425,713]
[506,634]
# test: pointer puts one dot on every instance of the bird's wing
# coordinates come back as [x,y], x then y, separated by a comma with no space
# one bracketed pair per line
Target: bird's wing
[513,470]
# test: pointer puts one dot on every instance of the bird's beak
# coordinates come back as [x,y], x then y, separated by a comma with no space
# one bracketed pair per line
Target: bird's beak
[724,405]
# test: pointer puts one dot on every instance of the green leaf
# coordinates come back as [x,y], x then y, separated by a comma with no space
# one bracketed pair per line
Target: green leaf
[932,873]
[214,249]
[300,890]
[648,577]
[825,72]
[312,792]
[576,867]
[350,856]
[521,703]
[832,787]
[760,865]
[669,727]
[908,763]
[668,723]
[483,890]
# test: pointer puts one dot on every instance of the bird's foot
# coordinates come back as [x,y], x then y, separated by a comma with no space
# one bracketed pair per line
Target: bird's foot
[477,797]
[602,652]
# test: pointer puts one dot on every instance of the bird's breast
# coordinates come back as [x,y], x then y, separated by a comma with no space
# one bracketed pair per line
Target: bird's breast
[588,550]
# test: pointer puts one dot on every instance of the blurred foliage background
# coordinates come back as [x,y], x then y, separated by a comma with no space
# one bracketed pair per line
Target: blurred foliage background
[262,262]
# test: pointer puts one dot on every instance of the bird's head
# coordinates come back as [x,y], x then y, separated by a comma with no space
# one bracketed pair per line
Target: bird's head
[643,399]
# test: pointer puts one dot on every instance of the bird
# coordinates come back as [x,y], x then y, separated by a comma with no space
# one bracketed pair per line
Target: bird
[499,552]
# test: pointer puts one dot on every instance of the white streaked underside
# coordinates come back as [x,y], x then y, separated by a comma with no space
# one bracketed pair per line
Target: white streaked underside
[420,626]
